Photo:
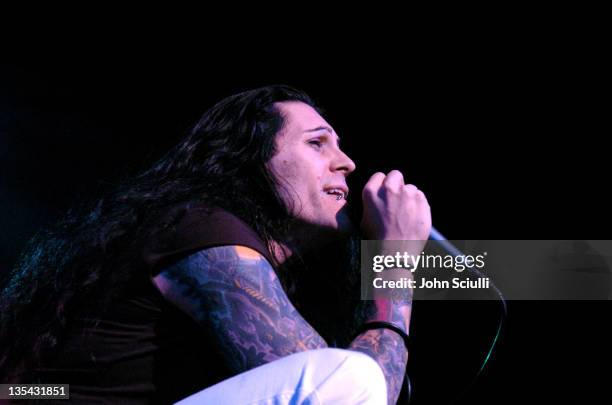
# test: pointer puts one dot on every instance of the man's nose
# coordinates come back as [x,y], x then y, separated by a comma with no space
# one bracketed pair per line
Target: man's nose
[343,163]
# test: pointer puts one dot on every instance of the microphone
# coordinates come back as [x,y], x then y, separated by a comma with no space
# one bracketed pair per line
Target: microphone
[444,243]
[451,249]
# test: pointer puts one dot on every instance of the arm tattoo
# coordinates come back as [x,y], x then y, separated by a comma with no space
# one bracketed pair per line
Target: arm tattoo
[387,348]
[384,345]
[234,292]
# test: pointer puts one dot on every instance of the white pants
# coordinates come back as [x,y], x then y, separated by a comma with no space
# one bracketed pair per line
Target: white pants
[323,376]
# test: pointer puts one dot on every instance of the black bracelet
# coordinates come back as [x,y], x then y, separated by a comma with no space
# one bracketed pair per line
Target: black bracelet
[384,325]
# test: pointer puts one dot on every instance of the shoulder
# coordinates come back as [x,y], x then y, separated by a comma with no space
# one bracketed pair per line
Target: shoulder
[236,273]
[191,227]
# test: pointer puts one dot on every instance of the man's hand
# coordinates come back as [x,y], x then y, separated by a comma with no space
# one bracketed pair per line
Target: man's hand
[393,210]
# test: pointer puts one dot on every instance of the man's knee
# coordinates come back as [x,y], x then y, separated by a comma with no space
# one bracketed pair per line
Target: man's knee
[356,374]
[366,372]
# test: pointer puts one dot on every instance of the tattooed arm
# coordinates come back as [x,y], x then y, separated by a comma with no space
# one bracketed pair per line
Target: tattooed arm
[234,291]
[384,345]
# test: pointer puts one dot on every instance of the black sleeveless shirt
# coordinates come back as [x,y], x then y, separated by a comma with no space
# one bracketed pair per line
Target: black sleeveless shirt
[144,350]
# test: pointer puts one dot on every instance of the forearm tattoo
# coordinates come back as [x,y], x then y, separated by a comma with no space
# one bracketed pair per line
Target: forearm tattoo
[234,292]
[388,349]
[384,345]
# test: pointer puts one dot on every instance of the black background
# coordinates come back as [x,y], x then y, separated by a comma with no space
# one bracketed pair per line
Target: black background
[506,141]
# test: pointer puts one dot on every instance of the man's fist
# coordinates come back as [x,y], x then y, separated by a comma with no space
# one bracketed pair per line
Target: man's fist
[393,210]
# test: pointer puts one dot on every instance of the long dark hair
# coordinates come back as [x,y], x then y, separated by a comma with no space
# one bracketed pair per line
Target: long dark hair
[86,259]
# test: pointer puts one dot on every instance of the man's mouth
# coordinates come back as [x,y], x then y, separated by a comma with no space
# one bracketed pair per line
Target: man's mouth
[341,193]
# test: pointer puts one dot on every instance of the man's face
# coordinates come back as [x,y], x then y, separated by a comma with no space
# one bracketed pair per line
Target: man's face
[311,167]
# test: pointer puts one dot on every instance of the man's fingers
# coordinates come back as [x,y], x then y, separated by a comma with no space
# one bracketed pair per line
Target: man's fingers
[380,184]
[373,185]
[412,191]
[394,182]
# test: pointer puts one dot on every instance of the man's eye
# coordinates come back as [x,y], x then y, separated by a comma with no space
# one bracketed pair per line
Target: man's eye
[316,142]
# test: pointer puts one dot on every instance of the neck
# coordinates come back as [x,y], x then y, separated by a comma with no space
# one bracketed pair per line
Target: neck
[306,240]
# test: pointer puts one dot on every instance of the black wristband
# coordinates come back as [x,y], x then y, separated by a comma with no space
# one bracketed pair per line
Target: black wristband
[384,325]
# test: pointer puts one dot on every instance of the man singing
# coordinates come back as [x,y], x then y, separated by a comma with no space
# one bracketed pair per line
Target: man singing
[204,280]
